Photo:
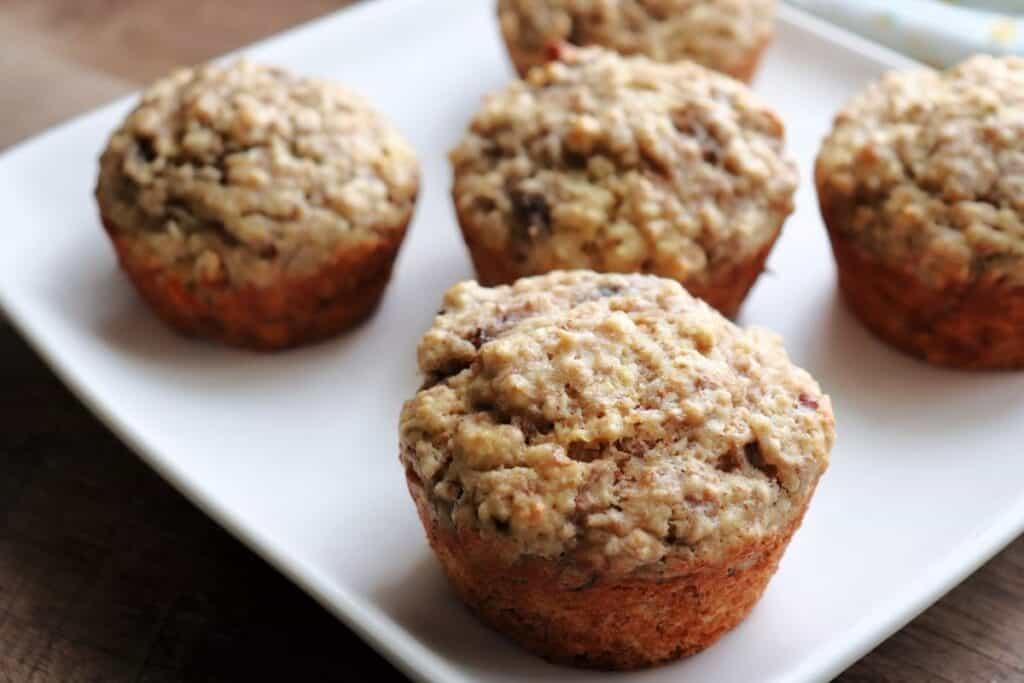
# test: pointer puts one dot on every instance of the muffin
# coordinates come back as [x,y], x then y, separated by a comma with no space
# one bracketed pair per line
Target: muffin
[725,35]
[607,469]
[625,165]
[256,207]
[921,186]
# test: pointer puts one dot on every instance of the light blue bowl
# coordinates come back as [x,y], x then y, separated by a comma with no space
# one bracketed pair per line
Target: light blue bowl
[935,32]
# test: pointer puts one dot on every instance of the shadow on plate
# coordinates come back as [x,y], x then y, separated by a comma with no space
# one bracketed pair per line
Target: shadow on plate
[866,376]
[425,605]
[112,313]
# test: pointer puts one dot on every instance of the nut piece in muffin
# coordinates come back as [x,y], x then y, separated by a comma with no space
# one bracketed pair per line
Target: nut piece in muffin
[921,186]
[726,35]
[256,207]
[607,469]
[625,165]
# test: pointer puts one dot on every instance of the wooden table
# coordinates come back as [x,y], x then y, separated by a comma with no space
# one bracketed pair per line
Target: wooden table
[107,574]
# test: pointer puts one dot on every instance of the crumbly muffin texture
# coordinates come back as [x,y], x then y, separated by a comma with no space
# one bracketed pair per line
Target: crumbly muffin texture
[242,174]
[720,34]
[613,419]
[623,165]
[930,168]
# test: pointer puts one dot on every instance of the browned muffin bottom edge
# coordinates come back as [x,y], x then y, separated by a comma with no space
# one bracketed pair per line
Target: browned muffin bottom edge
[524,60]
[600,621]
[726,291]
[292,312]
[972,325]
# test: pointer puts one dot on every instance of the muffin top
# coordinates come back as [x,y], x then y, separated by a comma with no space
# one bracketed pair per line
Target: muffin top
[928,168]
[624,165]
[719,34]
[246,173]
[613,419]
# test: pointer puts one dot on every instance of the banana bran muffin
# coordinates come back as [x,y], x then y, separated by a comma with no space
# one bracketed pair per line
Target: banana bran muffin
[607,469]
[625,165]
[256,207]
[921,185]
[725,35]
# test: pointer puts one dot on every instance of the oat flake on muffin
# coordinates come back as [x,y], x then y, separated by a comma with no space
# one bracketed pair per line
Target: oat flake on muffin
[246,178]
[921,183]
[625,165]
[725,35]
[606,434]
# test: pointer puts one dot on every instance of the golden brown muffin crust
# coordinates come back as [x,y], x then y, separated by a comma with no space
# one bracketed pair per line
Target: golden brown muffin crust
[613,419]
[624,165]
[245,174]
[721,34]
[926,168]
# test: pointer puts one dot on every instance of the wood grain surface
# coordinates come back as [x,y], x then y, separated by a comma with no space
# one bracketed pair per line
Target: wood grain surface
[107,574]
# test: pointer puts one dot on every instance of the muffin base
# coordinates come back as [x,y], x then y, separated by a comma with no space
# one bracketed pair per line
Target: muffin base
[747,69]
[566,615]
[975,325]
[524,60]
[290,313]
[726,292]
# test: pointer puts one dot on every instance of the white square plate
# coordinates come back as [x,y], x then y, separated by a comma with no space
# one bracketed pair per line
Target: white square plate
[296,453]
